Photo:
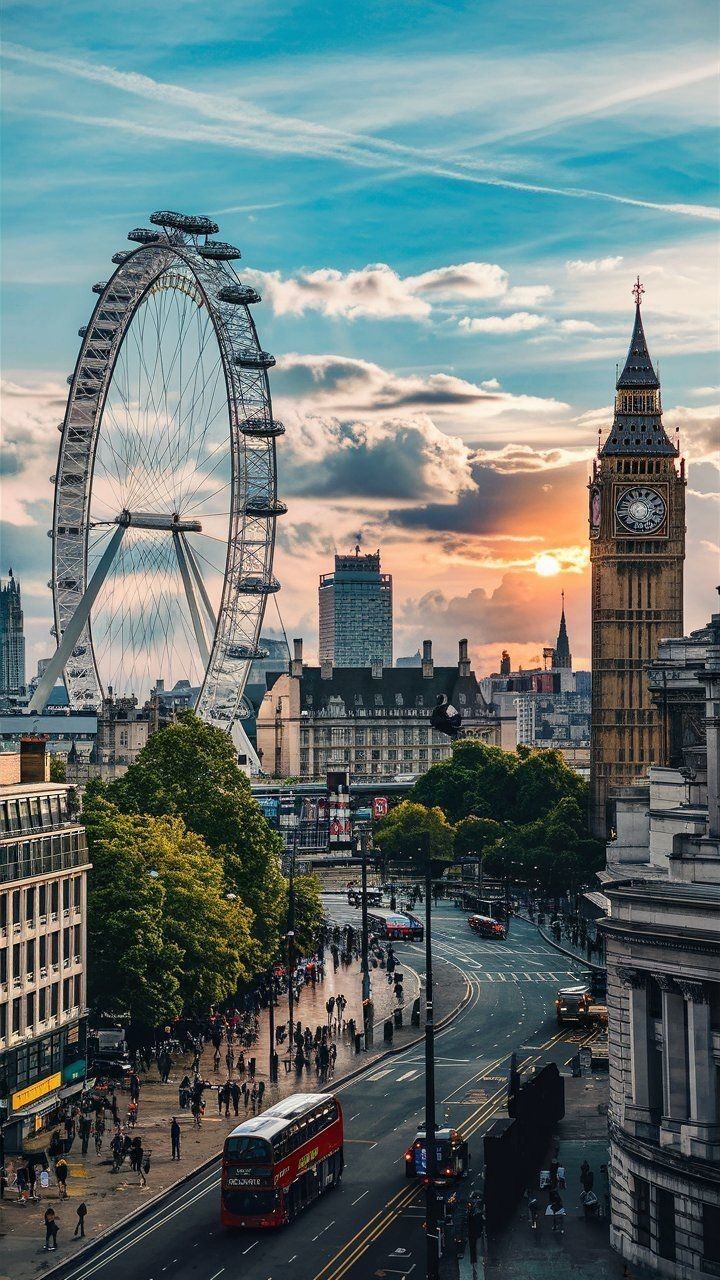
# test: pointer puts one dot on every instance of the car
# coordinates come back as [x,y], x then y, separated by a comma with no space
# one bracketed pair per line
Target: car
[487,927]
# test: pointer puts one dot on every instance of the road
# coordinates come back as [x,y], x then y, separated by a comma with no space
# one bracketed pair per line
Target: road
[374,1219]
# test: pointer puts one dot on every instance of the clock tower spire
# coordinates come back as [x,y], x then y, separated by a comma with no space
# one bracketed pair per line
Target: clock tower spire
[637,549]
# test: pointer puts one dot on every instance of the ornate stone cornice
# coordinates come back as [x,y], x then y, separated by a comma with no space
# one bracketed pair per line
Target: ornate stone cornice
[665,981]
[636,978]
[698,992]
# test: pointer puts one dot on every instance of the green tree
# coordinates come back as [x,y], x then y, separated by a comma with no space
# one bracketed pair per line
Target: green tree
[58,769]
[401,835]
[189,770]
[476,835]
[308,913]
[476,779]
[157,900]
[132,969]
[540,780]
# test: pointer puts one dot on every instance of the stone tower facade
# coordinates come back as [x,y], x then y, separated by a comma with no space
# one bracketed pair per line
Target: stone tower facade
[637,549]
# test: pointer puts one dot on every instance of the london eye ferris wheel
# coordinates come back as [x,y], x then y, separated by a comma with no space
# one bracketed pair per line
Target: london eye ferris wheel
[166,488]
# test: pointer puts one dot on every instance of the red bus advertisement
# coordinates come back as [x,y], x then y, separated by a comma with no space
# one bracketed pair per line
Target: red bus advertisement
[277,1163]
[396,926]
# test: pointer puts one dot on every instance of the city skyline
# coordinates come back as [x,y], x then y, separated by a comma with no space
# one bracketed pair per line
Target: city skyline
[442,391]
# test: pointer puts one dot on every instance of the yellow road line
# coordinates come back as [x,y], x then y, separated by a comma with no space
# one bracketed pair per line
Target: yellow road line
[403,1191]
[387,1220]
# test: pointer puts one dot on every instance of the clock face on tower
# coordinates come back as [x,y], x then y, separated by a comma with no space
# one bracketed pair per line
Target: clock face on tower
[640,510]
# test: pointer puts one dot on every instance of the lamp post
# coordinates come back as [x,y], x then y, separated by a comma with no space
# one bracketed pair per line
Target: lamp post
[273,1060]
[291,947]
[432,1230]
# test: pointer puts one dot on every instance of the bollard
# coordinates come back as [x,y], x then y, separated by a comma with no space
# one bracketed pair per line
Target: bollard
[251,1068]
[415,1015]
[358,1042]
[388,1031]
[397,1015]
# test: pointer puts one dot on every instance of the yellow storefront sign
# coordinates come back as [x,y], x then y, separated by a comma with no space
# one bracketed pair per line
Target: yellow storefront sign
[23,1097]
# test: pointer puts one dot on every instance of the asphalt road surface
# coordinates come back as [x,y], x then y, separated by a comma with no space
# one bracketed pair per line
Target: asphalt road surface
[373,1221]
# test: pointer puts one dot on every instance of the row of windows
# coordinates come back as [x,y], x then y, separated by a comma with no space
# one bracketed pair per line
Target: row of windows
[45,1003]
[49,1053]
[21,859]
[24,959]
[32,813]
[659,1235]
[301,1131]
[380,737]
[35,903]
[638,402]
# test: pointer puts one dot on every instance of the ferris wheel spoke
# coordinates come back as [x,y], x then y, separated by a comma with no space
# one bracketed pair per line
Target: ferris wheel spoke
[202,436]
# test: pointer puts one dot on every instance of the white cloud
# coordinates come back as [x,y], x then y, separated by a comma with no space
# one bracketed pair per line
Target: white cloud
[702,392]
[351,388]
[527,295]
[377,290]
[518,322]
[30,446]
[592,266]
[578,326]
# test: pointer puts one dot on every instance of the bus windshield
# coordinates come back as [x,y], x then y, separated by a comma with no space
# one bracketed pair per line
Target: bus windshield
[248,1147]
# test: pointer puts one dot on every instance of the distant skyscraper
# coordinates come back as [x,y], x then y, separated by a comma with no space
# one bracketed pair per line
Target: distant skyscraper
[12,639]
[505,663]
[356,612]
[562,656]
[414,660]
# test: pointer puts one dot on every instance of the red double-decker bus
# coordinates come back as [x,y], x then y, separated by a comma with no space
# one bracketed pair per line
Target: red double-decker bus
[277,1163]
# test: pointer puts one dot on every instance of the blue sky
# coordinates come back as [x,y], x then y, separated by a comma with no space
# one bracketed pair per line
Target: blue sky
[549,153]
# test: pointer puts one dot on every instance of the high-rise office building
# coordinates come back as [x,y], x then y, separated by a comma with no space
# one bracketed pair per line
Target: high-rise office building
[12,638]
[356,612]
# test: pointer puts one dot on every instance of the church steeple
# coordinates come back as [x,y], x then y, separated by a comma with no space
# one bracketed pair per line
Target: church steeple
[637,426]
[562,656]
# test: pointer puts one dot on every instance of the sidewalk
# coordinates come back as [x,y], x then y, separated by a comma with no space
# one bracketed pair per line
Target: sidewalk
[111,1197]
[584,1247]
[564,945]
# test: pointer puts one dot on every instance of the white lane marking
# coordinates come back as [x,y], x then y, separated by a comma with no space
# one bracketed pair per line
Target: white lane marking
[409,1075]
[162,1216]
[322,1233]
[365,1193]
[217,1273]
[250,1246]
[378,1075]
[357,1113]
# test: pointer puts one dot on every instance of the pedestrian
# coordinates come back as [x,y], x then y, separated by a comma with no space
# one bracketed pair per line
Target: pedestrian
[80,1227]
[99,1133]
[134,1087]
[235,1095]
[230,1059]
[226,1095]
[85,1129]
[32,1178]
[253,1097]
[216,1058]
[561,1177]
[587,1178]
[51,1229]
[260,1095]
[145,1168]
[175,1137]
[330,1006]
[556,1211]
[61,1173]
[132,1113]
[533,1211]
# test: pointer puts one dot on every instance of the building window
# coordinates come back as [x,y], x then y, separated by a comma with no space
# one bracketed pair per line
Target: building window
[17,961]
[30,1011]
[711,1233]
[16,1017]
[76,983]
[42,901]
[77,891]
[54,993]
[665,1211]
[16,907]
[642,1212]
[42,1004]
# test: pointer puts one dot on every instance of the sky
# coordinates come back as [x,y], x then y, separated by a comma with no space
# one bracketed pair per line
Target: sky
[444,207]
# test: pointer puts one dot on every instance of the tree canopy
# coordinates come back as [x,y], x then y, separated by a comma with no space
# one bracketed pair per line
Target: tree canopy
[156,899]
[409,828]
[188,770]
[486,782]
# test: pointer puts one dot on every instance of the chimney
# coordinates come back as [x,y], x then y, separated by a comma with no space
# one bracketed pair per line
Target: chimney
[427,660]
[376,668]
[34,760]
[463,661]
[326,669]
[296,662]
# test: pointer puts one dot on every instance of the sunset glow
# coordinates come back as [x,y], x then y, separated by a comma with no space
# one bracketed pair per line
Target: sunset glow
[547,566]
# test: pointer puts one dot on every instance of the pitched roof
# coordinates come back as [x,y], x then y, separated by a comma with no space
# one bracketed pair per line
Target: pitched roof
[640,434]
[397,688]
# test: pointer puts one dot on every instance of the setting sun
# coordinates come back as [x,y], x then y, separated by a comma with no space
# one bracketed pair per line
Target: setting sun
[547,566]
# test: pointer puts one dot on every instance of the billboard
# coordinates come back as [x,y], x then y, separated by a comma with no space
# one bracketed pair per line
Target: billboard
[379,807]
[339,827]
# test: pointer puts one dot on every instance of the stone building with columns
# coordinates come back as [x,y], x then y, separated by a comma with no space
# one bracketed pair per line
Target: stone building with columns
[663,955]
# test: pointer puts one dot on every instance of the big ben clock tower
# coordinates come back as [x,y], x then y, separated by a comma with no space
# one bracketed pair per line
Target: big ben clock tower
[637,548]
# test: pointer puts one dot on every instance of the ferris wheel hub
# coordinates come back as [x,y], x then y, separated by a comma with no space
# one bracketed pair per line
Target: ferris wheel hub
[158,520]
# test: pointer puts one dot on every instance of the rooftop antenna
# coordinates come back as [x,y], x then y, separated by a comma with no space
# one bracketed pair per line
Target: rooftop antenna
[637,292]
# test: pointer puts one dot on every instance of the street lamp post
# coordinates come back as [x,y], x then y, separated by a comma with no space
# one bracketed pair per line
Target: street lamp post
[364,962]
[291,947]
[232,897]
[432,1230]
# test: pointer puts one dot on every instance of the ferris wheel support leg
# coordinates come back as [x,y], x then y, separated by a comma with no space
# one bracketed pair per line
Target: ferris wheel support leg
[199,582]
[71,634]
[200,636]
